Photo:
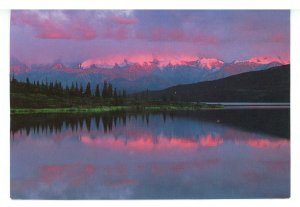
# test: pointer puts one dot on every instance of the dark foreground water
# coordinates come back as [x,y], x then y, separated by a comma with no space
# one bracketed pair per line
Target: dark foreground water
[207,154]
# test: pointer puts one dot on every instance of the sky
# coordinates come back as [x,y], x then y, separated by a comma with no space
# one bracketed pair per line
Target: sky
[70,36]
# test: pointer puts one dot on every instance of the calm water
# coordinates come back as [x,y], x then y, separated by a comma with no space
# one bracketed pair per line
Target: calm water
[207,154]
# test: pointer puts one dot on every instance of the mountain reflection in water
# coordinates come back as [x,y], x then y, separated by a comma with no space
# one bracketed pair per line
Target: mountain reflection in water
[206,154]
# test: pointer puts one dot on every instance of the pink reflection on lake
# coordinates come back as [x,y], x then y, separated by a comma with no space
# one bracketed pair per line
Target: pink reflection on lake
[49,176]
[147,143]
[174,157]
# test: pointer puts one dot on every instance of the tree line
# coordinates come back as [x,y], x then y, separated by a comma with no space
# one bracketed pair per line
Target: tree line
[56,88]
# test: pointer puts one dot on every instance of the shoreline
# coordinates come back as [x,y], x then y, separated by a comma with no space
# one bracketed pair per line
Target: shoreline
[103,109]
[150,108]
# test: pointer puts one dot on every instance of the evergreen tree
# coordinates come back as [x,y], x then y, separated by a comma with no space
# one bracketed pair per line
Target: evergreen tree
[97,92]
[104,91]
[13,78]
[43,87]
[110,90]
[88,91]
[81,90]
[37,87]
[124,94]
[115,93]
[76,89]
[51,88]
[47,86]
[27,85]
[60,89]
[72,90]
[12,83]
[147,95]
[67,91]
[56,90]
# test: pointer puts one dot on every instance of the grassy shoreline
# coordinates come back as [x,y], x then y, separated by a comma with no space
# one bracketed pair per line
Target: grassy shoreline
[103,109]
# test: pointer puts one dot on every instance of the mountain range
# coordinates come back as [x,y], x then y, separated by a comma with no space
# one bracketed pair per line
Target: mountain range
[142,73]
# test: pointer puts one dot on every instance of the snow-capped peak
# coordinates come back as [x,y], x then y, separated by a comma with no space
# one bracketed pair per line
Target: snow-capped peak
[211,63]
[58,66]
[263,60]
[160,62]
[172,61]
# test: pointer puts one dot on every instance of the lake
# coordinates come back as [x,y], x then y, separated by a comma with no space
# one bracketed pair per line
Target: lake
[240,153]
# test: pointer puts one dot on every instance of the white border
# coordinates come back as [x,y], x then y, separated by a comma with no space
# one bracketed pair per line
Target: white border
[150,4]
[5,145]
[4,107]
[295,101]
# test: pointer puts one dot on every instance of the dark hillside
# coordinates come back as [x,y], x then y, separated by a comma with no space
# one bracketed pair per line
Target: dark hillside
[271,85]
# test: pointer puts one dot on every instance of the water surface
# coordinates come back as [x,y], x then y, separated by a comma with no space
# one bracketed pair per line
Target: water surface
[205,154]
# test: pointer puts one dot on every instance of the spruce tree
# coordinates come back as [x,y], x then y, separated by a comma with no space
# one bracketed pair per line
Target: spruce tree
[27,85]
[76,89]
[67,91]
[81,90]
[72,90]
[13,78]
[124,94]
[104,91]
[88,91]
[110,90]
[115,93]
[97,92]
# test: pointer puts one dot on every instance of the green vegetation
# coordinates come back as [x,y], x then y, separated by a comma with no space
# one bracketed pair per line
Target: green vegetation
[54,95]
[27,97]
[69,110]
[102,109]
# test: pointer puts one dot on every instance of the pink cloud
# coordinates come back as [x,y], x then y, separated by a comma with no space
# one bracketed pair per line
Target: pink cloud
[119,33]
[140,34]
[124,20]
[84,31]
[47,28]
[50,30]
[279,38]
[224,35]
[203,38]
[114,27]
[177,35]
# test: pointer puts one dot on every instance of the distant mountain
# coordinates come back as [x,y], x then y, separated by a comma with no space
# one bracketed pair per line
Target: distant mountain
[17,66]
[271,85]
[141,73]
[151,63]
